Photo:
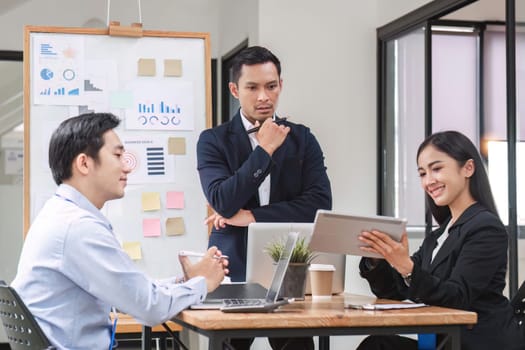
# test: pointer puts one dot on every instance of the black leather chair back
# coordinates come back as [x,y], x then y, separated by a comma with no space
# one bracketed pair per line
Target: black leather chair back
[22,331]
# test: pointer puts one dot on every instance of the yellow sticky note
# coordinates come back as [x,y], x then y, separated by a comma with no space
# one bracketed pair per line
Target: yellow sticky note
[146,67]
[176,145]
[172,68]
[150,201]
[133,250]
[175,226]
[151,227]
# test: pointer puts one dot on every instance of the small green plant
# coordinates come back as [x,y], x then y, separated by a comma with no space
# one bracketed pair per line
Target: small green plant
[300,254]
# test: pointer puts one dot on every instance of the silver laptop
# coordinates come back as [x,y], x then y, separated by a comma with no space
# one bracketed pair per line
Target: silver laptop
[270,302]
[260,267]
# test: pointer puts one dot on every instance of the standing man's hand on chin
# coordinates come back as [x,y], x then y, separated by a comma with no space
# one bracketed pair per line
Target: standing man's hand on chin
[271,135]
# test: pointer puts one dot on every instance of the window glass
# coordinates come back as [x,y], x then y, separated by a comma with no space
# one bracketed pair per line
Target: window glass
[455,97]
[11,167]
[405,126]
[455,67]
[495,118]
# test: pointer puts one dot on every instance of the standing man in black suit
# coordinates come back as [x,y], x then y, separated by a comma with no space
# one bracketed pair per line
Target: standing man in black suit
[275,174]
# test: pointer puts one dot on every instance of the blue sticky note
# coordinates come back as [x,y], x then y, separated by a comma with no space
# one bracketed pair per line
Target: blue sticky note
[121,99]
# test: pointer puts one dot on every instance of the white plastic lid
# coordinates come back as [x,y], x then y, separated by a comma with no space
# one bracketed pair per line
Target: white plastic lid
[322,267]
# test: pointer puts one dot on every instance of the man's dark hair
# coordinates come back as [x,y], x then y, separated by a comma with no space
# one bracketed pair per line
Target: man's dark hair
[81,134]
[250,56]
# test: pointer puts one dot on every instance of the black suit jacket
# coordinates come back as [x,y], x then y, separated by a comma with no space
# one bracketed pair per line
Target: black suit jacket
[231,172]
[468,272]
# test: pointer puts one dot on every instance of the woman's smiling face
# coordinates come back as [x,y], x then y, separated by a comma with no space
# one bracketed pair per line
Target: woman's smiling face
[443,178]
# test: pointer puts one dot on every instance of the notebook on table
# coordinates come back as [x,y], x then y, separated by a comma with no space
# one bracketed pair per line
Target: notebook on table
[270,302]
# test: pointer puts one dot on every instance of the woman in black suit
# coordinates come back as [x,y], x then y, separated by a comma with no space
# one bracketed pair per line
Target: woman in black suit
[460,265]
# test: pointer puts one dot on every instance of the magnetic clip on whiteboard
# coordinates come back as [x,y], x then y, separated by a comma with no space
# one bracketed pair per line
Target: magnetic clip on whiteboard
[135,30]
[115,29]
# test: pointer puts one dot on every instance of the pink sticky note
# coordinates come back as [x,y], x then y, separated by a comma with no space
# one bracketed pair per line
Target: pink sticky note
[175,200]
[151,227]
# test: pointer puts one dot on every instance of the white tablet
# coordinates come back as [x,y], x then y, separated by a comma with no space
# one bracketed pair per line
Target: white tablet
[338,233]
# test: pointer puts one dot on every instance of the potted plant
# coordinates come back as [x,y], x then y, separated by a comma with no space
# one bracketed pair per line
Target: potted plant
[294,283]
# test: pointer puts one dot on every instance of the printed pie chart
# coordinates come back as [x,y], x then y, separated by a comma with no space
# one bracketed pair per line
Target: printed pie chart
[46,74]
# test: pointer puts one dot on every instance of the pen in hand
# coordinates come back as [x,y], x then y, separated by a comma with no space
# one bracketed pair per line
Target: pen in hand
[278,122]
[200,255]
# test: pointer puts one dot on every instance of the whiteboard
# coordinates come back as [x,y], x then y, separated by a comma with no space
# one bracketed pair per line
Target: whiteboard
[159,86]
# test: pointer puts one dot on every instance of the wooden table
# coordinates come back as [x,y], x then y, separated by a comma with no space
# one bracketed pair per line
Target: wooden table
[128,327]
[325,319]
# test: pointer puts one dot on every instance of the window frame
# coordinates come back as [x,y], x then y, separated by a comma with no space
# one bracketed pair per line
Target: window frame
[426,16]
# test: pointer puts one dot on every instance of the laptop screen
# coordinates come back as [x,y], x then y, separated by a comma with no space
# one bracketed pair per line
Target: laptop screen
[260,267]
[282,266]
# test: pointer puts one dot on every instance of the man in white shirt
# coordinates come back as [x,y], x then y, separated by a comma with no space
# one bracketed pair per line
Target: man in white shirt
[72,269]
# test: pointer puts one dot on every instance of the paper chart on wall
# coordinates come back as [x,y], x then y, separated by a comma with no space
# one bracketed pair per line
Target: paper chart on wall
[164,105]
[58,69]
[99,80]
[149,160]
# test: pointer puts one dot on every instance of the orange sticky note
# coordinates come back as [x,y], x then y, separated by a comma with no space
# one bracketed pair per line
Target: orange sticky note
[172,68]
[151,227]
[177,145]
[175,200]
[146,67]
[150,201]
[175,226]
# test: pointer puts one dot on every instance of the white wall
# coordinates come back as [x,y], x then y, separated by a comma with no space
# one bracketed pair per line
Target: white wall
[388,11]
[327,51]
[482,10]
[176,15]
[238,21]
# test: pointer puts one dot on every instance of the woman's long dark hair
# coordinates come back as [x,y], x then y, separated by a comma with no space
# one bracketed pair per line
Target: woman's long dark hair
[459,147]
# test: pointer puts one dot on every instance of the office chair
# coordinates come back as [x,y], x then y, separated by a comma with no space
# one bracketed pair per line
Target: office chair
[20,326]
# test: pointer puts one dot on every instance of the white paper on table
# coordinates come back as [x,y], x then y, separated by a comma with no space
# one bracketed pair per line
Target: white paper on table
[408,305]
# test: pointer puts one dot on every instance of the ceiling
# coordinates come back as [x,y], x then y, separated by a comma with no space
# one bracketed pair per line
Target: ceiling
[481,10]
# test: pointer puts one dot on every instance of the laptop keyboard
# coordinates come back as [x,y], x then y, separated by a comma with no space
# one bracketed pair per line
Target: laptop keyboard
[243,302]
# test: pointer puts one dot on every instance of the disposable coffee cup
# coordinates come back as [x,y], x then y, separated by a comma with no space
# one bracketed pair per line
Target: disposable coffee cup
[321,276]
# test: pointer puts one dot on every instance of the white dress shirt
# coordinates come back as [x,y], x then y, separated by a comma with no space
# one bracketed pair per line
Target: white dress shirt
[72,270]
[441,239]
[264,188]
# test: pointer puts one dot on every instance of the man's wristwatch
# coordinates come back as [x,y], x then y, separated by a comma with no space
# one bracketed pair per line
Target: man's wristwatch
[407,278]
